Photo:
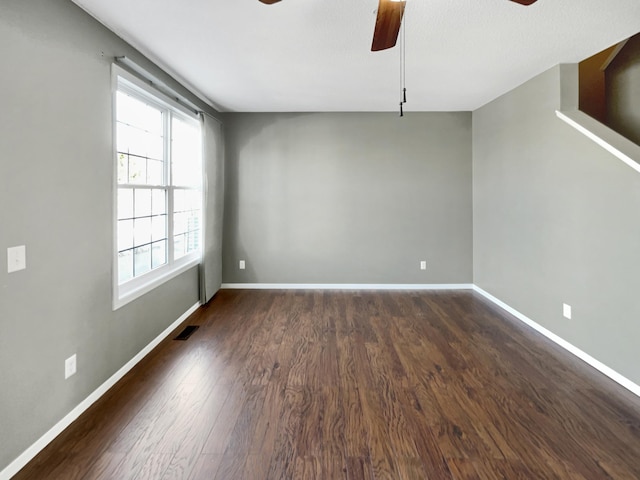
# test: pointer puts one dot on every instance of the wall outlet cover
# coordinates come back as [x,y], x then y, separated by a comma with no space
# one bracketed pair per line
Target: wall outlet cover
[566,311]
[242,265]
[423,265]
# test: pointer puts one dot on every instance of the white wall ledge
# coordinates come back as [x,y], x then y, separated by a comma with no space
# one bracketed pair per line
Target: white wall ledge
[613,142]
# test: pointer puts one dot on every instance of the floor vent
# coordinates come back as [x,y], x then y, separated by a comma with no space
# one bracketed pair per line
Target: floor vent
[186,333]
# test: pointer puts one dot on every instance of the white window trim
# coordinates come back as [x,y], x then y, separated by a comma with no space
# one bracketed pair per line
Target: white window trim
[135,288]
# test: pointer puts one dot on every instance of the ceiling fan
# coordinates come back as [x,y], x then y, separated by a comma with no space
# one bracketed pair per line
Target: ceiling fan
[388,21]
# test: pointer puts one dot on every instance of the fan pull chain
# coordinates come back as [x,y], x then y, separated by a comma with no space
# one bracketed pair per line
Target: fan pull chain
[401,79]
[403,62]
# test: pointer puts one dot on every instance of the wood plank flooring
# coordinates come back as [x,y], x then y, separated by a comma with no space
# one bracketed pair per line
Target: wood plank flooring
[353,385]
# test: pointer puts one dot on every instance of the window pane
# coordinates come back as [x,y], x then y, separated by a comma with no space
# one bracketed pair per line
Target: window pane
[186,200]
[179,246]
[142,202]
[137,170]
[153,146]
[142,260]
[194,199]
[139,126]
[180,223]
[125,203]
[193,241]
[136,141]
[158,228]
[137,113]
[155,172]
[158,201]
[125,266]
[186,166]
[123,168]
[158,253]
[186,221]
[193,237]
[193,220]
[179,201]
[125,234]
[126,139]
[142,231]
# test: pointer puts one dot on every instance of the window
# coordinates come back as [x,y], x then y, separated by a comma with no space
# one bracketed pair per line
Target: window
[158,189]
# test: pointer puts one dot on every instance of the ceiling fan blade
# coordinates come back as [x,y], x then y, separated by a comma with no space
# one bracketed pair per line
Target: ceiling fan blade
[269,2]
[388,24]
[525,2]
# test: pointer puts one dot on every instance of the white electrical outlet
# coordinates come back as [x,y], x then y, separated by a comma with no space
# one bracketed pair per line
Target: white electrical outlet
[566,311]
[16,258]
[242,265]
[423,265]
[70,366]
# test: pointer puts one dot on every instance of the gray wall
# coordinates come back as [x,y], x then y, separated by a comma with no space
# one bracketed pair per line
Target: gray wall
[623,91]
[56,196]
[556,220]
[348,198]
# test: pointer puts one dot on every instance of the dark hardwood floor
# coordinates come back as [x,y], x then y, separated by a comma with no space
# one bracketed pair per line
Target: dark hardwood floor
[353,385]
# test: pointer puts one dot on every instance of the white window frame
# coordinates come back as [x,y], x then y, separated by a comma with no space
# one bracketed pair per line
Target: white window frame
[127,292]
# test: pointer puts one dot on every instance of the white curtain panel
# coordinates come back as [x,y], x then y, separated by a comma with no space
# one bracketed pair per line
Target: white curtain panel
[213,190]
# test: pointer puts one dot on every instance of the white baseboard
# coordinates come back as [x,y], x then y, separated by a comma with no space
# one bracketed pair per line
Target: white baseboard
[26,456]
[346,286]
[585,357]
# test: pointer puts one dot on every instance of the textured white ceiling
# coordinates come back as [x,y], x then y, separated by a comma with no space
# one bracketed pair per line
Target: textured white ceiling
[314,55]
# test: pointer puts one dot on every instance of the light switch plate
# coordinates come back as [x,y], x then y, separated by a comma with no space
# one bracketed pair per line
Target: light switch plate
[566,311]
[70,366]
[16,258]
[242,265]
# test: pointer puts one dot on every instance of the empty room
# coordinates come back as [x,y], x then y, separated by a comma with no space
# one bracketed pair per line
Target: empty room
[305,239]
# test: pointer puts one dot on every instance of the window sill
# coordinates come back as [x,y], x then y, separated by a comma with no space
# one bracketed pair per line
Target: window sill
[128,292]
